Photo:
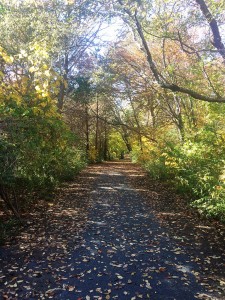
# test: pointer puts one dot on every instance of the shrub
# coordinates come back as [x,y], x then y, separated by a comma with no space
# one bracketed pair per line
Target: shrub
[36,155]
[194,168]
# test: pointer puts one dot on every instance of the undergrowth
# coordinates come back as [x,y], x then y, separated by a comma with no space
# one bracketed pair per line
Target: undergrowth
[195,168]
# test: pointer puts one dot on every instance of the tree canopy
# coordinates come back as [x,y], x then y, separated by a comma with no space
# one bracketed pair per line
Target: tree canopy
[69,97]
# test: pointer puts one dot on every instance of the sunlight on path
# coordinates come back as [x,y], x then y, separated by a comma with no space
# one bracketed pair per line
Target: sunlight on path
[122,253]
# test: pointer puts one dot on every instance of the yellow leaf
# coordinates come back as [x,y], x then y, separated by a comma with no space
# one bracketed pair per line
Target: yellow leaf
[44,94]
[47,73]
[37,88]
[23,53]
[32,69]
[45,85]
[36,110]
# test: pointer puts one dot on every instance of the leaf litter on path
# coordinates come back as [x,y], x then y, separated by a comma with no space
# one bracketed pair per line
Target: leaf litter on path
[132,238]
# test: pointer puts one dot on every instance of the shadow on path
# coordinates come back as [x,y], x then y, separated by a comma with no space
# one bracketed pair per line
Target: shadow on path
[121,252]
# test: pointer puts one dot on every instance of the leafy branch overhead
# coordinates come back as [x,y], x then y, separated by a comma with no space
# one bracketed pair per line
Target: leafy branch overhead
[136,19]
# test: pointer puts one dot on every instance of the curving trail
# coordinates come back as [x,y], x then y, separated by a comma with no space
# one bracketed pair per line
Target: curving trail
[114,246]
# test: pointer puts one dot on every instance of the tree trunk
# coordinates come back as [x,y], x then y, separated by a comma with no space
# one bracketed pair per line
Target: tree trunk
[97,127]
[5,195]
[105,152]
[126,141]
[62,88]
[87,130]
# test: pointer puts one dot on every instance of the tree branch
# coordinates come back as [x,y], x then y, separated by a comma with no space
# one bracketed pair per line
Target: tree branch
[159,78]
[217,40]
[193,94]
[163,83]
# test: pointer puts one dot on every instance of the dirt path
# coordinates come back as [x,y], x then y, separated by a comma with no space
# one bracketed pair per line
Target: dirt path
[114,234]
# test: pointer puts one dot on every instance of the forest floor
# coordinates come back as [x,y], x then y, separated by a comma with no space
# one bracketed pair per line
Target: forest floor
[114,233]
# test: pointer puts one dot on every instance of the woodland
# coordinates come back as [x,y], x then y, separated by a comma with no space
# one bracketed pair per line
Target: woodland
[85,81]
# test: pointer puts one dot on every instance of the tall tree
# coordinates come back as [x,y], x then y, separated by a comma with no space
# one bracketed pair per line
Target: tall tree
[177,23]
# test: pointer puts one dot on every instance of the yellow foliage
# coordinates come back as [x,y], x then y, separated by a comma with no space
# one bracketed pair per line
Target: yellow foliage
[23,53]
[36,110]
[32,69]
[37,88]
[8,59]
[45,94]
[47,73]
[92,154]
[43,104]
[69,2]
[33,94]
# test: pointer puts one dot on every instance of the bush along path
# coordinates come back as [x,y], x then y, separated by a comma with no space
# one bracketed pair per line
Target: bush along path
[114,234]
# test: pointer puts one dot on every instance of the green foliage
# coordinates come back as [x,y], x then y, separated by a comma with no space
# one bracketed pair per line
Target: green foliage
[195,168]
[214,204]
[37,153]
[160,164]
[37,150]
[116,145]
[136,153]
